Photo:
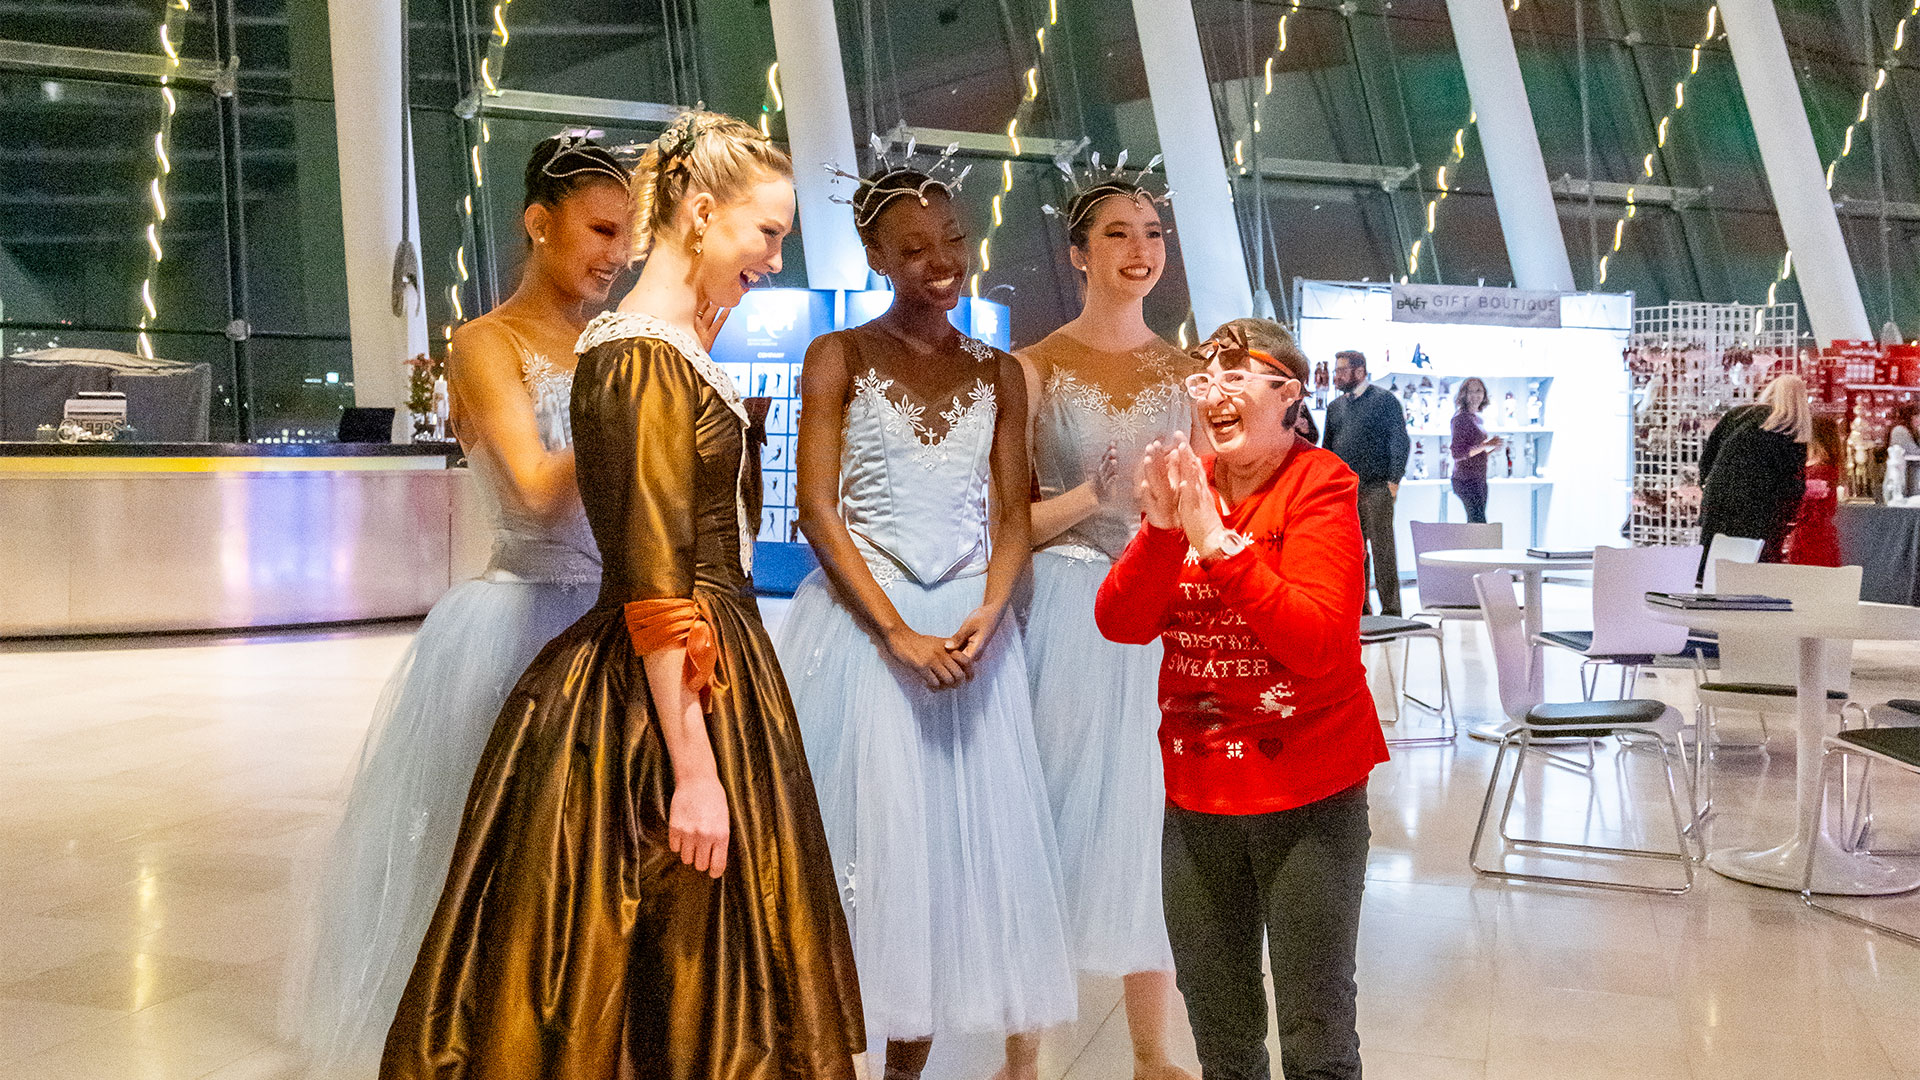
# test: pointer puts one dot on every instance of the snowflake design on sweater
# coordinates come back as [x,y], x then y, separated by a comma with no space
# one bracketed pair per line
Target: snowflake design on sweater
[1236,749]
[1274,700]
[1179,746]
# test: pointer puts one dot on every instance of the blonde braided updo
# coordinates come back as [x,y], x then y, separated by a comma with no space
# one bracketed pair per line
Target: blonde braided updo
[699,151]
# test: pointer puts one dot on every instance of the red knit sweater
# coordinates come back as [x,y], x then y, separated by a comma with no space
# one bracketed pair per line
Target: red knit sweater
[1263,698]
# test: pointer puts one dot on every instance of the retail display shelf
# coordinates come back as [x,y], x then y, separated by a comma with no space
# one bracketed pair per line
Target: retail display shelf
[1894,387]
[1497,481]
[1447,433]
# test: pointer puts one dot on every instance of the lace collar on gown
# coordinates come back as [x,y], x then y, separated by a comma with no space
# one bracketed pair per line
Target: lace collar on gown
[619,325]
[615,325]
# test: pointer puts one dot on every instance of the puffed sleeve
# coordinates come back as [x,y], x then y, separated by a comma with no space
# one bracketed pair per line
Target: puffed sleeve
[635,406]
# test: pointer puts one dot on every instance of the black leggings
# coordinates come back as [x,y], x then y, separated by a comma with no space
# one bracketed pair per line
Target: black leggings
[1296,876]
[1475,500]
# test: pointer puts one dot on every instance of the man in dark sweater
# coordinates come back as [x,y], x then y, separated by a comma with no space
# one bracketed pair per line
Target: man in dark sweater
[1368,431]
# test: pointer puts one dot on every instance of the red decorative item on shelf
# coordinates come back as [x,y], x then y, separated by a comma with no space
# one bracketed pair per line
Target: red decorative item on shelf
[1905,362]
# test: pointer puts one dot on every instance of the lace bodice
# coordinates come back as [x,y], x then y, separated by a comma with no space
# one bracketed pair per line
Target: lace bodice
[914,498]
[1074,421]
[524,548]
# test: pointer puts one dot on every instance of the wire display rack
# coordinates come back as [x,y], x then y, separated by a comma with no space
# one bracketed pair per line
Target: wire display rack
[1689,363]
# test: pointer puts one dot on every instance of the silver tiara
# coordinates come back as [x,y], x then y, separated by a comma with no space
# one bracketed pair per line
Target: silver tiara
[886,165]
[575,155]
[1087,185]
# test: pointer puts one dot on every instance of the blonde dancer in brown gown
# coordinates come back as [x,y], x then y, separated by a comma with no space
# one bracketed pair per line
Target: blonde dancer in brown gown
[642,887]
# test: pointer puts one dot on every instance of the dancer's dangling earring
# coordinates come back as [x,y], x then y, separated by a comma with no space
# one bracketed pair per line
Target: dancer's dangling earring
[699,238]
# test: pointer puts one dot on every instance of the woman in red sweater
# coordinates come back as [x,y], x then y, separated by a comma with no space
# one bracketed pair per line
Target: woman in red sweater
[1248,569]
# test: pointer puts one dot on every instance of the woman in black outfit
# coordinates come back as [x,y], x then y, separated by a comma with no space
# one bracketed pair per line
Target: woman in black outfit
[1753,468]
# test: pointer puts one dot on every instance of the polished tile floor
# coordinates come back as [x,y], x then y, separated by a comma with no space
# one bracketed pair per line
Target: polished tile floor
[158,796]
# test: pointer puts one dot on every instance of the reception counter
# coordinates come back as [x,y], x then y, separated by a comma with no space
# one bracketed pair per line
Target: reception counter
[118,538]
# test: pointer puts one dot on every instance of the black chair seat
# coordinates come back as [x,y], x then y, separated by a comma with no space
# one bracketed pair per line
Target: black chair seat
[1382,627]
[1589,713]
[1582,640]
[1899,743]
[1905,705]
[1765,689]
[1577,640]
[1699,649]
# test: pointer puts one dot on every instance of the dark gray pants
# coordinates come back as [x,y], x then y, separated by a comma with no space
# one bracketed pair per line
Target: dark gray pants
[1296,875]
[1376,532]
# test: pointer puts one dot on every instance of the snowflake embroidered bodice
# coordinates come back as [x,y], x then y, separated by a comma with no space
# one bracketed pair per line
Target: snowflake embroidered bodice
[1075,421]
[525,548]
[914,497]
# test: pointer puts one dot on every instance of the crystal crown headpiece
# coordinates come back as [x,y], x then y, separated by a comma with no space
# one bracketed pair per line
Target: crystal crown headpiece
[872,196]
[1087,185]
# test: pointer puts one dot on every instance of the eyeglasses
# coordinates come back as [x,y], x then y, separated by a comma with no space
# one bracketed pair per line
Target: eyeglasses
[1233,383]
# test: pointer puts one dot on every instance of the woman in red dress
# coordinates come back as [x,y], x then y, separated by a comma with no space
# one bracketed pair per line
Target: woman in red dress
[1814,540]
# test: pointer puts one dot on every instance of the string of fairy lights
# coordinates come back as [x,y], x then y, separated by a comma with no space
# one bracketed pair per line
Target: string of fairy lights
[491,64]
[775,101]
[1662,130]
[170,35]
[1443,175]
[1443,188]
[1029,96]
[1865,112]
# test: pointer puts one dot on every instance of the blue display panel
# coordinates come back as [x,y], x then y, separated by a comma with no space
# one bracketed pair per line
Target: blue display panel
[984,319]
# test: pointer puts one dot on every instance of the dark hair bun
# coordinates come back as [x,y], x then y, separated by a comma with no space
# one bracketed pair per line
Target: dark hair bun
[562,164]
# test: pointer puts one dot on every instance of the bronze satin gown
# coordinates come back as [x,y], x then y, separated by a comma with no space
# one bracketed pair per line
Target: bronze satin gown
[570,944]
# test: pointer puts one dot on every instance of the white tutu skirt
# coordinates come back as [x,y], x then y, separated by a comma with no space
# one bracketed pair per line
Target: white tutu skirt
[1096,718]
[376,884]
[936,815]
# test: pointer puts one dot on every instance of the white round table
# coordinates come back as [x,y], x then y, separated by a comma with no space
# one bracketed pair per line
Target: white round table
[1531,571]
[1783,866]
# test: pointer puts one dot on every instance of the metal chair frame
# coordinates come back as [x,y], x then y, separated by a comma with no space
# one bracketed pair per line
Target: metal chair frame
[1830,746]
[1444,708]
[1509,645]
[1666,731]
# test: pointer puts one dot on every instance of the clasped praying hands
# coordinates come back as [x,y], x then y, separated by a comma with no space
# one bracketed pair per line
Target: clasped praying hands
[1173,491]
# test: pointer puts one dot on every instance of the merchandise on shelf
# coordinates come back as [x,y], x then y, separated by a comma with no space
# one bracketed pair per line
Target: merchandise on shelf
[1691,362]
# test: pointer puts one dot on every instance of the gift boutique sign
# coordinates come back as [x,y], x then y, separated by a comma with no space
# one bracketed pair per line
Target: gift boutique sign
[1472,304]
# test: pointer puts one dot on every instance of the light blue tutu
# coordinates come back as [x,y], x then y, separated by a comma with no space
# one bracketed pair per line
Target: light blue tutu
[1096,716]
[936,814]
[382,872]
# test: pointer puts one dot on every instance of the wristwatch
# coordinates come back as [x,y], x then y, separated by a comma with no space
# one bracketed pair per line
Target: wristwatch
[1223,544]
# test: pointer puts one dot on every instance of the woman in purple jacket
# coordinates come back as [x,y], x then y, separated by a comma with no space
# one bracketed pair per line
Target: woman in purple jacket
[1471,445]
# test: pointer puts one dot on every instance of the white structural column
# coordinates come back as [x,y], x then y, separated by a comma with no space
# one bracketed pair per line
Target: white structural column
[1799,185]
[1196,171]
[1536,249]
[813,86]
[365,36]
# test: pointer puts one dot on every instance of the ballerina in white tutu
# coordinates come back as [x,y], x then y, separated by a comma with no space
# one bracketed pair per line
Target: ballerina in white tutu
[1103,386]
[907,672]
[511,374]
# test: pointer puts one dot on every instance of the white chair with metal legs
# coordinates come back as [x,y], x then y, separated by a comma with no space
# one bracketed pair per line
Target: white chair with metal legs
[1898,747]
[1584,719]
[1446,592]
[1622,633]
[1736,549]
[1701,653]
[1384,630]
[1752,665]
[1900,712]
